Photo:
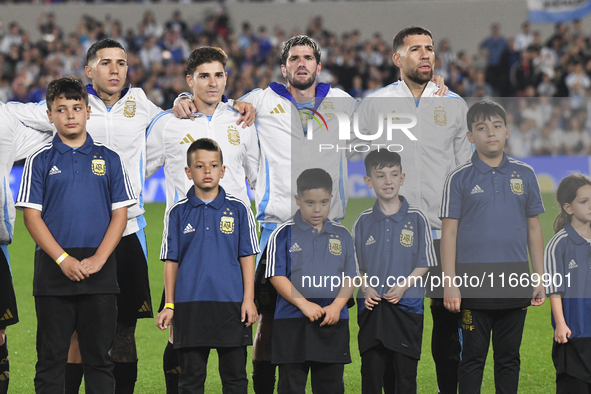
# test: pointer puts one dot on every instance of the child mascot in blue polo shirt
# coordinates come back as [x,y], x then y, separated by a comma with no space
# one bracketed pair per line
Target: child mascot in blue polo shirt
[208,247]
[490,209]
[567,261]
[311,263]
[75,195]
[394,250]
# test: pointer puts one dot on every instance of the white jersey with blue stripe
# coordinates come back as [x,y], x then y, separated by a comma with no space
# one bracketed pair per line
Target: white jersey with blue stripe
[168,139]
[16,143]
[121,127]
[286,150]
[441,143]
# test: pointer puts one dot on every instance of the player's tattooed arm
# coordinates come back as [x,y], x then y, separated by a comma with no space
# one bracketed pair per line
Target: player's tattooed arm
[124,349]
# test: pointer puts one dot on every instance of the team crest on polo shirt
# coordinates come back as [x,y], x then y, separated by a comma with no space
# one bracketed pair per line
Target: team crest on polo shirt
[233,136]
[407,235]
[440,116]
[227,222]
[334,245]
[98,165]
[516,183]
[129,108]
[327,105]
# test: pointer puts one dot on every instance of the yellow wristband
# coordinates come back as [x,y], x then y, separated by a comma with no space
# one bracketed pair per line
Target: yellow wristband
[169,305]
[61,258]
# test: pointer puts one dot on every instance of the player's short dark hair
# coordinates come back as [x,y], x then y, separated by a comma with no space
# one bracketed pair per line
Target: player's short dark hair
[205,55]
[102,44]
[380,159]
[485,110]
[409,31]
[298,41]
[314,178]
[204,144]
[71,88]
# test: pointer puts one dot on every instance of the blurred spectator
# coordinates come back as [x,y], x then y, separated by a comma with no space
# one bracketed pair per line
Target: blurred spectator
[150,27]
[578,84]
[525,38]
[177,23]
[495,45]
[548,143]
[575,140]
[521,141]
[12,38]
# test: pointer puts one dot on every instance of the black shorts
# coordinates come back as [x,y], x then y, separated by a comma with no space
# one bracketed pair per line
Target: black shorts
[8,311]
[265,295]
[134,301]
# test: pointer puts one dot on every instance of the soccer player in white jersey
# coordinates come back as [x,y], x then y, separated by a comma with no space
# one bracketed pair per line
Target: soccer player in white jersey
[119,118]
[441,145]
[16,143]
[169,137]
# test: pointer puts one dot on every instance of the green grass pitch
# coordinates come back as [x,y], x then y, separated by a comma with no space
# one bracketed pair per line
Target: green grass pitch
[537,371]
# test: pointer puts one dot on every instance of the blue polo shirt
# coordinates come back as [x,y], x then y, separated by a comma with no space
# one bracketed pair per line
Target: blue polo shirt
[492,205]
[305,256]
[569,253]
[392,247]
[207,240]
[76,191]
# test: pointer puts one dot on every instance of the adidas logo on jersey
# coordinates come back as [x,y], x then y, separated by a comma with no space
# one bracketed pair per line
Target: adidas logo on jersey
[477,189]
[188,229]
[278,110]
[6,316]
[572,265]
[187,140]
[145,307]
[54,170]
[370,241]
[295,248]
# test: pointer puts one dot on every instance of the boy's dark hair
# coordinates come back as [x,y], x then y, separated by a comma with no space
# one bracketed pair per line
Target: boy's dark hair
[380,159]
[71,88]
[314,178]
[566,194]
[204,144]
[409,31]
[102,44]
[298,41]
[205,55]
[485,110]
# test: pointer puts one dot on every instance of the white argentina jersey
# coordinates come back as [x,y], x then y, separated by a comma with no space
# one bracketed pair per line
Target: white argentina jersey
[286,150]
[441,143]
[169,138]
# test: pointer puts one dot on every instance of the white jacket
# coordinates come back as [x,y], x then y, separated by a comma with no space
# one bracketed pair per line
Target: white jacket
[286,151]
[123,129]
[169,138]
[16,143]
[441,143]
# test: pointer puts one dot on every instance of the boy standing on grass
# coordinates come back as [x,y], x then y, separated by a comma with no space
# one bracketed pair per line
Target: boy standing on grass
[393,244]
[208,247]
[311,326]
[490,209]
[75,195]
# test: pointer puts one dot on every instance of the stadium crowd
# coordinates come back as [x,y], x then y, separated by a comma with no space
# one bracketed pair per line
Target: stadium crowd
[528,69]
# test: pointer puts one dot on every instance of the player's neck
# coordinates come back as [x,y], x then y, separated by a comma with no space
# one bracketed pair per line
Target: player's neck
[582,228]
[493,161]
[391,206]
[416,89]
[205,108]
[108,99]
[207,194]
[302,96]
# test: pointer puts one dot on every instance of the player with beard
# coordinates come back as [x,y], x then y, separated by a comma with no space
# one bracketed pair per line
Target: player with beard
[440,146]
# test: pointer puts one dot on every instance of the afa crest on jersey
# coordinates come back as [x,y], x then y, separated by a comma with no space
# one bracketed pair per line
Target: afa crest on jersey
[227,222]
[334,246]
[129,108]
[516,183]
[407,235]
[440,116]
[98,165]
[328,105]
[233,136]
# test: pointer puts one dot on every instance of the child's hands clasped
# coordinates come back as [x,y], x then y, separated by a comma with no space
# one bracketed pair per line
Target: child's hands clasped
[332,315]
[312,310]
[92,264]
[394,294]
[72,268]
